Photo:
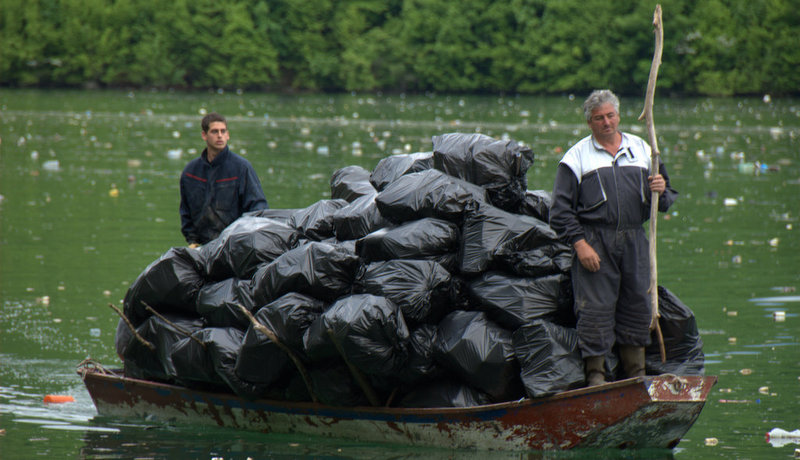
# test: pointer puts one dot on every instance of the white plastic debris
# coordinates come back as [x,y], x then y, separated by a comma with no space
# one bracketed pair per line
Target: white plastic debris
[779,437]
[731,202]
[51,165]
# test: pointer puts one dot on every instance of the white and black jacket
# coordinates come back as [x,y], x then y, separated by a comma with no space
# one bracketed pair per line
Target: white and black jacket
[594,188]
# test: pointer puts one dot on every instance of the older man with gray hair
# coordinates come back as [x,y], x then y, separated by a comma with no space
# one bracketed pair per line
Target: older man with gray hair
[601,199]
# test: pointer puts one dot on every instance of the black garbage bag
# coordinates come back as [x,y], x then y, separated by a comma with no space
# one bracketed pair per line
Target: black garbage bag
[513,256]
[122,338]
[429,193]
[140,362]
[419,239]
[395,166]
[334,385]
[281,215]
[289,316]
[421,366]
[513,301]
[479,352]
[370,330]
[316,221]
[499,166]
[168,285]
[213,364]
[358,219]
[350,183]
[260,360]
[444,393]
[218,303]
[682,341]
[244,245]
[486,228]
[536,204]
[421,288]
[320,270]
[549,358]
[194,365]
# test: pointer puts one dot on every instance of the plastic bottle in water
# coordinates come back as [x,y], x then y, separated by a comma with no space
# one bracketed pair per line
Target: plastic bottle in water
[778,437]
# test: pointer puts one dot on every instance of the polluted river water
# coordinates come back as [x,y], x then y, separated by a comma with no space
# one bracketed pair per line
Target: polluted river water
[89,197]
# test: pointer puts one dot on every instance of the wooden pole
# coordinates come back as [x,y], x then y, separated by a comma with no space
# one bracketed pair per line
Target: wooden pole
[141,339]
[271,335]
[647,116]
[174,326]
[372,397]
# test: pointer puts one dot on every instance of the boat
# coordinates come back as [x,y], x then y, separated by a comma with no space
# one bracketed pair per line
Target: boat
[641,412]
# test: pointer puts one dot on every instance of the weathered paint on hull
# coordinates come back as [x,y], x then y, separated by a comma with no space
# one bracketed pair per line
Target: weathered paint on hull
[653,412]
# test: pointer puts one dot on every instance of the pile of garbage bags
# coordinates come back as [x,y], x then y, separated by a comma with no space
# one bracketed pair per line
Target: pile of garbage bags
[433,280]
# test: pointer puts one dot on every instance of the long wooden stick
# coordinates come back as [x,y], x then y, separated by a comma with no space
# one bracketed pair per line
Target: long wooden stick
[174,326]
[141,339]
[271,335]
[647,115]
[372,397]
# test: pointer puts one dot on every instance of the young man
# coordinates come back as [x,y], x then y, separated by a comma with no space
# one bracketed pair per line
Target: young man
[217,187]
[601,198]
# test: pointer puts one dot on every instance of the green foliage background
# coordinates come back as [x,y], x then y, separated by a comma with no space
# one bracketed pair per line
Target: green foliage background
[712,47]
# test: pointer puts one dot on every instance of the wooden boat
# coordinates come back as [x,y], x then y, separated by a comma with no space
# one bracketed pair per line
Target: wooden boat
[642,412]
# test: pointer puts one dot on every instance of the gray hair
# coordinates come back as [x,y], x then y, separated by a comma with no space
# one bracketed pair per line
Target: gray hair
[598,98]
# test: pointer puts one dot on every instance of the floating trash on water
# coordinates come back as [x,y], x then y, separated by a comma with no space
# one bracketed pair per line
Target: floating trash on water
[733,313]
[202,111]
[134,162]
[746,371]
[107,293]
[51,165]
[735,401]
[114,191]
[316,176]
[34,155]
[746,168]
[176,134]
[711,442]
[731,340]
[323,150]
[779,316]
[174,154]
[764,390]
[767,98]
[21,141]
[779,437]
[94,332]
[58,399]
[726,390]
[305,130]
[774,242]
[407,148]
[44,300]
[272,144]
[737,259]
[731,202]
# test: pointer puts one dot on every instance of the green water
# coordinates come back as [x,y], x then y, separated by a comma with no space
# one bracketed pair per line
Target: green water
[69,247]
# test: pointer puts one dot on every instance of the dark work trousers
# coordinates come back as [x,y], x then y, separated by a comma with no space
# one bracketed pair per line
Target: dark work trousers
[612,303]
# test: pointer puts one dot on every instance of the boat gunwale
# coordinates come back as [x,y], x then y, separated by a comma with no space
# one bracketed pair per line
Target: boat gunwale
[639,383]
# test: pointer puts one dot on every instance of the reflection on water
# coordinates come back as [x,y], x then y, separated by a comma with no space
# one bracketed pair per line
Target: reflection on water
[89,197]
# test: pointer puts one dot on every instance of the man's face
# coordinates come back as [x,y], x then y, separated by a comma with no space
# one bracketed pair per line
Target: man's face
[604,120]
[217,136]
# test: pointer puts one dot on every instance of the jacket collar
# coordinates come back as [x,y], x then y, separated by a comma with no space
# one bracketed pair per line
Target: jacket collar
[218,159]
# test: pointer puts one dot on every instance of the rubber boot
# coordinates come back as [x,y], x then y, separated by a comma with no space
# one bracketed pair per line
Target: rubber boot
[595,370]
[632,360]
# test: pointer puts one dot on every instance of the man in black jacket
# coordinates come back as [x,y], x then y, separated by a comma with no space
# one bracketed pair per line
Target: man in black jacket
[601,198]
[217,187]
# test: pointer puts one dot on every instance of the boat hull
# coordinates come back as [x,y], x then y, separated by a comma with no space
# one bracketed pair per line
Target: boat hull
[649,412]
